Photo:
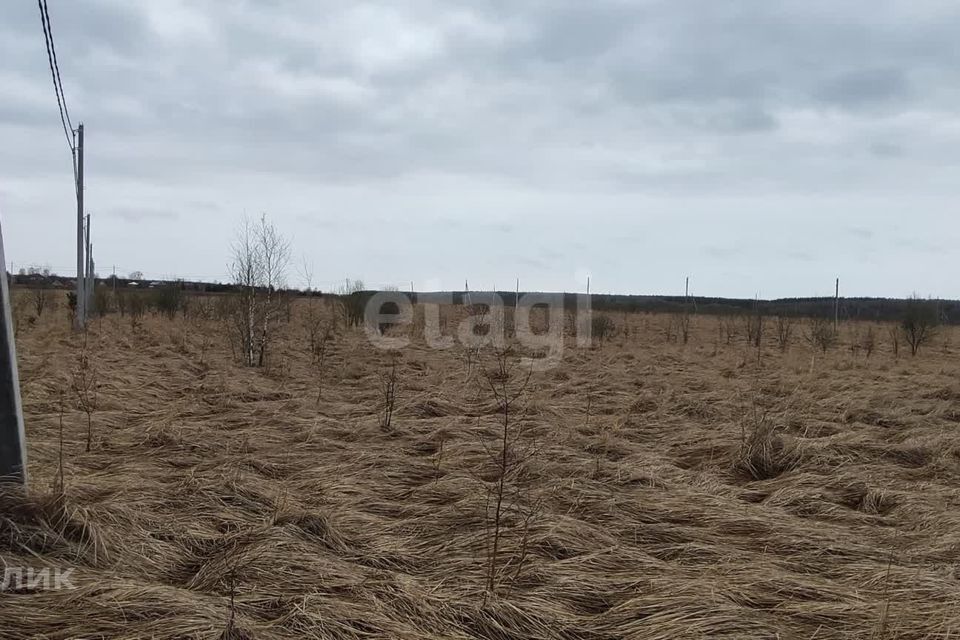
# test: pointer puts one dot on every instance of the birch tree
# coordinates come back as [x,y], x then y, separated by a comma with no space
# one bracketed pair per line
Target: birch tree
[261,256]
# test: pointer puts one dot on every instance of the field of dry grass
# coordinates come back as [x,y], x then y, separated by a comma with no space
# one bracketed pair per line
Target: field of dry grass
[660,490]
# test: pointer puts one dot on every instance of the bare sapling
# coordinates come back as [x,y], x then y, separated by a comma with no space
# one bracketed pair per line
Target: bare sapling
[753,326]
[821,334]
[19,311]
[138,307]
[388,390]
[318,330]
[603,328]
[319,353]
[670,332]
[508,456]
[784,329]
[868,341]
[85,387]
[40,297]
[200,313]
[274,251]
[353,300]
[919,324]
[683,326]
[729,329]
[232,631]
[895,336]
[261,256]
[478,321]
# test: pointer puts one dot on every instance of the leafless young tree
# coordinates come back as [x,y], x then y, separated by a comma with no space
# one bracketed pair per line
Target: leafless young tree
[508,455]
[868,342]
[274,255]
[603,328]
[753,326]
[821,334]
[919,324]
[895,335]
[388,388]
[319,329]
[726,328]
[40,297]
[261,256]
[784,330]
[682,321]
[352,301]
[86,387]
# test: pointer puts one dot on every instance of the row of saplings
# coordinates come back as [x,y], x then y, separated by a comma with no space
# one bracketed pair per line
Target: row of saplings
[918,327]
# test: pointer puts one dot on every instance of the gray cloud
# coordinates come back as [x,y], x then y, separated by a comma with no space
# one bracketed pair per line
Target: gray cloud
[141,214]
[545,129]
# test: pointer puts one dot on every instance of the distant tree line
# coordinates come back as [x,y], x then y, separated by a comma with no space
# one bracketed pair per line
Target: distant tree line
[866,309]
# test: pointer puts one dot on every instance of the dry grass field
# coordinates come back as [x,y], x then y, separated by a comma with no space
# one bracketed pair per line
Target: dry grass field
[655,490]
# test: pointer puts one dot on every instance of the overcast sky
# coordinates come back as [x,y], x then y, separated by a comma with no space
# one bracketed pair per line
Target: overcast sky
[759,147]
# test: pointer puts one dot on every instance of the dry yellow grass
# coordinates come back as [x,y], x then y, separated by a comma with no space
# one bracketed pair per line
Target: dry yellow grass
[706,495]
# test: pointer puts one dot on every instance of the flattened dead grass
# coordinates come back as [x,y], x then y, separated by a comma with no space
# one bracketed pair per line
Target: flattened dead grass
[223,502]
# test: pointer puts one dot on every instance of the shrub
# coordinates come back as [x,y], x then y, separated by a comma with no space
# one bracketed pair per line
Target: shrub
[784,329]
[102,301]
[353,301]
[167,300]
[821,334]
[602,327]
[919,324]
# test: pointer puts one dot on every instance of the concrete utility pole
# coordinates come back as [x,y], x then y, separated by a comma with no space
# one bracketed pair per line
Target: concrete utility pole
[13,454]
[81,311]
[88,275]
[836,309]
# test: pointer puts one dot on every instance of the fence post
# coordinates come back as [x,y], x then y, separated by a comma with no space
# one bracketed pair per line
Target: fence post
[13,455]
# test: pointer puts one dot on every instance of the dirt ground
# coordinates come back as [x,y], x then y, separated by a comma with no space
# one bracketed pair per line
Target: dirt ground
[655,489]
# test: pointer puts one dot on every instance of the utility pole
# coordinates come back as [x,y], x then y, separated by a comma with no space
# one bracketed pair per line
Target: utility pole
[13,454]
[686,293]
[88,275]
[81,310]
[836,309]
[516,300]
[91,279]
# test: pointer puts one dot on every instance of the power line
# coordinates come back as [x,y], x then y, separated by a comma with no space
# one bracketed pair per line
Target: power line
[55,75]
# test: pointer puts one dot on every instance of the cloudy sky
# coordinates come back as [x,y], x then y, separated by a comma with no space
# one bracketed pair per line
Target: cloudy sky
[759,147]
